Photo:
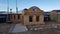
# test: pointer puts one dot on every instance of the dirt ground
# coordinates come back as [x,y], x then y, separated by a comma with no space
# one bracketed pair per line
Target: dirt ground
[4,28]
[42,31]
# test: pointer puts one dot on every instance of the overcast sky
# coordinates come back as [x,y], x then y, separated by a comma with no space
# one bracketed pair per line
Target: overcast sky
[42,4]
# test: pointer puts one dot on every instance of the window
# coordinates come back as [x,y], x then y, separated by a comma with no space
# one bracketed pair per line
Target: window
[30,18]
[34,9]
[37,18]
[9,17]
[14,16]
[18,16]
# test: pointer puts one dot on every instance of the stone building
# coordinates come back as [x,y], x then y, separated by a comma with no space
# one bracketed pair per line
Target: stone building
[33,15]
[55,15]
[30,16]
[14,18]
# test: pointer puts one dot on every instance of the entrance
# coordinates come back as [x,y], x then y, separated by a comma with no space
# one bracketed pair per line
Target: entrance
[46,18]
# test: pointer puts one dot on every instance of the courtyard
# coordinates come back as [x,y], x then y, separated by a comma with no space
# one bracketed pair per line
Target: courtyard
[48,28]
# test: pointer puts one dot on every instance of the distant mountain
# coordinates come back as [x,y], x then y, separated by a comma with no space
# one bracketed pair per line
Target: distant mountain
[3,12]
[57,10]
[47,13]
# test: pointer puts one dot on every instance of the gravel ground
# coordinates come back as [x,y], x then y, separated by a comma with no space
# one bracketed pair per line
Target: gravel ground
[42,31]
[4,28]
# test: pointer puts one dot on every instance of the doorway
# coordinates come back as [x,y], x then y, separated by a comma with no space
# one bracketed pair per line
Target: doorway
[46,18]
